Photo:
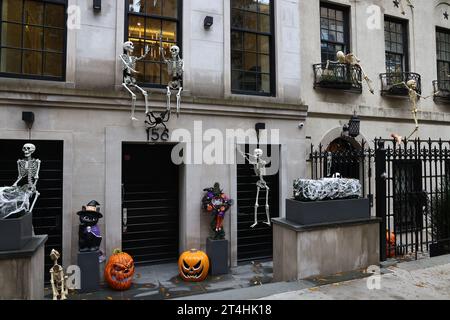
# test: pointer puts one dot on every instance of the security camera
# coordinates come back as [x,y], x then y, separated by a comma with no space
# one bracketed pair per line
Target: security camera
[301,125]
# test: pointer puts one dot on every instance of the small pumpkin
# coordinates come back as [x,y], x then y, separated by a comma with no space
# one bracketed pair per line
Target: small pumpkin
[390,244]
[119,271]
[193,265]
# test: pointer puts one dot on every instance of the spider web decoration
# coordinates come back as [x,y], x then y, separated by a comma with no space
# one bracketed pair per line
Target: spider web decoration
[326,189]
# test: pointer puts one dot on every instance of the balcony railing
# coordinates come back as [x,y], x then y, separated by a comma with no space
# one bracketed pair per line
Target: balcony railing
[392,83]
[339,76]
[441,90]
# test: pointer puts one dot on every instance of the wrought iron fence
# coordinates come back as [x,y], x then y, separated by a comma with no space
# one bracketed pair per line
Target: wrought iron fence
[392,83]
[340,76]
[409,188]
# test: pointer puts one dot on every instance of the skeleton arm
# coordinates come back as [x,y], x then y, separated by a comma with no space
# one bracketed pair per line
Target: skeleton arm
[161,50]
[147,50]
[248,157]
[20,174]
[36,175]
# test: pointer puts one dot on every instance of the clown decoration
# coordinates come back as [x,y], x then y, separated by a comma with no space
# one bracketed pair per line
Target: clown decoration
[89,232]
[216,203]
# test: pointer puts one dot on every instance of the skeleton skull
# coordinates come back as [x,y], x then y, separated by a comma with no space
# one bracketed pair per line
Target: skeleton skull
[54,255]
[28,149]
[412,84]
[128,47]
[340,56]
[175,51]
[258,153]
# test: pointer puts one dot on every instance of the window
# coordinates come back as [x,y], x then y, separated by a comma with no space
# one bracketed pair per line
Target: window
[334,31]
[396,46]
[443,54]
[33,39]
[147,19]
[252,43]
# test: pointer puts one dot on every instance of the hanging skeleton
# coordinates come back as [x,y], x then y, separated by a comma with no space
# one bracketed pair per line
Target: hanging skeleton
[259,166]
[175,68]
[414,97]
[58,279]
[399,3]
[352,60]
[16,199]
[129,80]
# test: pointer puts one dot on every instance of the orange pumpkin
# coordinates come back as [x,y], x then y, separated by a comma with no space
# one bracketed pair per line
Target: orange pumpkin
[193,265]
[119,271]
[390,244]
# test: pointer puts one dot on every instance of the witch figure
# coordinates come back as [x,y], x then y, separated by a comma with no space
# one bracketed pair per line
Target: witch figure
[217,203]
[89,232]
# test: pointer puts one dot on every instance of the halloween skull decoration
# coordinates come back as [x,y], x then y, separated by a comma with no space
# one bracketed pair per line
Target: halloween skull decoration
[119,271]
[193,265]
[28,149]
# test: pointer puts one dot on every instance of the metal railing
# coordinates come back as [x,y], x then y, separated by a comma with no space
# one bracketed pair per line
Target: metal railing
[339,76]
[441,90]
[392,83]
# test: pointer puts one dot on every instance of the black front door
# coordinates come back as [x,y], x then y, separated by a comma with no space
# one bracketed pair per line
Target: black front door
[150,217]
[48,212]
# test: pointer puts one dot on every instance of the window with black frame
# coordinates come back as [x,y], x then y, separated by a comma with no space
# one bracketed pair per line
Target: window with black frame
[252,49]
[443,58]
[334,31]
[33,39]
[396,46]
[147,19]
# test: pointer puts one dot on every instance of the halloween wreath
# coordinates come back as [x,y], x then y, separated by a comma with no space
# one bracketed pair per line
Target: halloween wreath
[217,203]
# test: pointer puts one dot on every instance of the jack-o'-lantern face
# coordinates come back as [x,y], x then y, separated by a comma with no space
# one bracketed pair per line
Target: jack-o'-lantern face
[119,271]
[193,265]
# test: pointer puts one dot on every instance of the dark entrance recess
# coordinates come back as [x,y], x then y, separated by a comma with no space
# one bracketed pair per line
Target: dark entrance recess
[348,162]
[150,215]
[255,244]
[48,212]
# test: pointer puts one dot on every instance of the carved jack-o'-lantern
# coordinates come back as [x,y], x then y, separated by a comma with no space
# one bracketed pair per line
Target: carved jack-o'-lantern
[390,244]
[119,271]
[193,265]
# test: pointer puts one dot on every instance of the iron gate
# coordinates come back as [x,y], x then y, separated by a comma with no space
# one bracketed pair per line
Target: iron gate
[409,188]
[48,212]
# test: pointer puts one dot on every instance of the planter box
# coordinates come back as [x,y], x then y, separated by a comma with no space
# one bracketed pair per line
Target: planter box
[217,251]
[15,233]
[332,211]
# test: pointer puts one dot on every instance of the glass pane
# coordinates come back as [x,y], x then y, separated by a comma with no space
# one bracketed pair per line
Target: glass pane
[250,42]
[153,29]
[164,74]
[136,6]
[264,61]
[32,62]
[250,5]
[153,7]
[237,60]
[340,15]
[236,40]
[340,37]
[332,13]
[264,6]
[32,37]
[12,10]
[264,44]
[264,23]
[53,39]
[237,18]
[11,60]
[264,83]
[170,8]
[323,12]
[250,21]
[33,12]
[152,73]
[54,15]
[235,80]
[11,35]
[140,68]
[248,82]
[169,31]
[250,62]
[135,27]
[53,64]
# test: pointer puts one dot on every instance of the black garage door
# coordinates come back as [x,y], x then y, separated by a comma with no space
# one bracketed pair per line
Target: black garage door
[254,243]
[150,203]
[48,212]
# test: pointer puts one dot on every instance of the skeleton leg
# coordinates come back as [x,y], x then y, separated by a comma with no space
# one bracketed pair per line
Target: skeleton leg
[267,206]
[63,286]
[367,79]
[52,282]
[416,121]
[179,101]
[133,102]
[169,93]
[145,94]
[256,208]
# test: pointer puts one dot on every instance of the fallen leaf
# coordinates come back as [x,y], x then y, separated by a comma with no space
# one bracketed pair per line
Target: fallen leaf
[109,298]
[313,289]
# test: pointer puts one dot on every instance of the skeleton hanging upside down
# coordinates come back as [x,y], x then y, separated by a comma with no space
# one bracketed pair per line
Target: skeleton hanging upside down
[58,279]
[175,68]
[259,166]
[352,60]
[414,97]
[129,70]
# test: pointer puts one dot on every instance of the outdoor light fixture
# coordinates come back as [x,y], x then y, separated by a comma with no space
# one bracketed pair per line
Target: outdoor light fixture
[209,21]
[97,5]
[28,118]
[353,126]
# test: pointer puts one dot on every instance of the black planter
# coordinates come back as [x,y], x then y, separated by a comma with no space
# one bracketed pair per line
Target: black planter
[331,211]
[217,251]
[15,233]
